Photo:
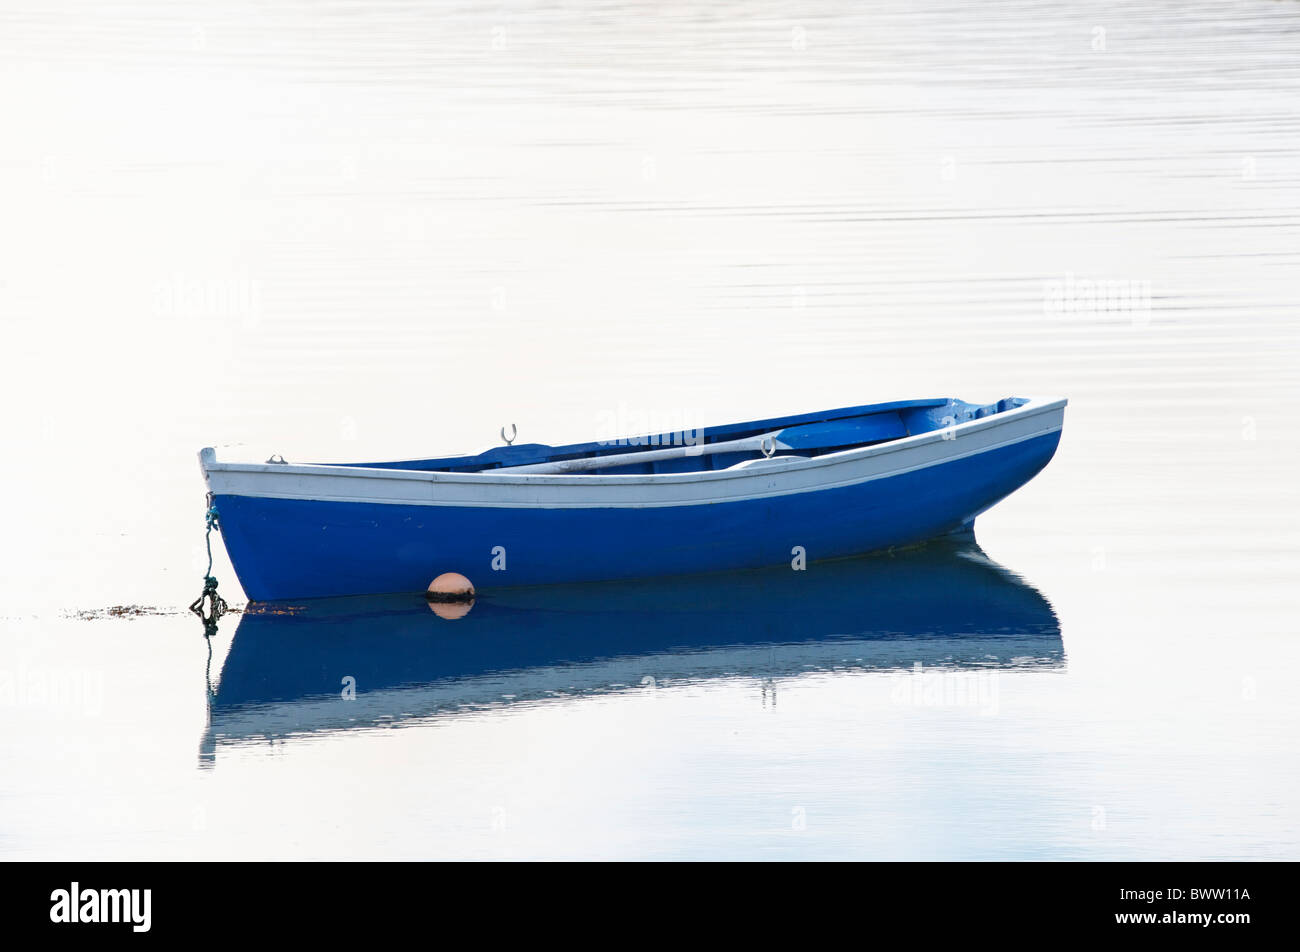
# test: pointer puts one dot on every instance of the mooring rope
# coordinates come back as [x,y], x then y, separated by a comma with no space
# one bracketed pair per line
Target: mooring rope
[207,677]
[210,606]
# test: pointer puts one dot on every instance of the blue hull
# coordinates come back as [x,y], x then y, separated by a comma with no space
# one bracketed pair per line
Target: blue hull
[305,548]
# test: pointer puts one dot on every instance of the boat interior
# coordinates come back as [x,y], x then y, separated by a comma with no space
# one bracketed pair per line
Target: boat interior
[719,447]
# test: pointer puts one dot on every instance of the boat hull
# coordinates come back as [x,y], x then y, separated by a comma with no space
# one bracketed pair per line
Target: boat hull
[288,547]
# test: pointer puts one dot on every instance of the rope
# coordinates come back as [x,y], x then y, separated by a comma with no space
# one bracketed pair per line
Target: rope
[207,677]
[210,606]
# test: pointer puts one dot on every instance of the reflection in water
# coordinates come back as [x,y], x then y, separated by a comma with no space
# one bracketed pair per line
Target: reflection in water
[335,664]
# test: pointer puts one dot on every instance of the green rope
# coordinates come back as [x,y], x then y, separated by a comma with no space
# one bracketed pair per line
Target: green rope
[210,606]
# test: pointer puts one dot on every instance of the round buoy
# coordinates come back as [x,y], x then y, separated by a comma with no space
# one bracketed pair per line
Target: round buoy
[450,587]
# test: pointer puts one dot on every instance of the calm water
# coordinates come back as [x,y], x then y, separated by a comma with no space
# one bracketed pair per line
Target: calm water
[346,231]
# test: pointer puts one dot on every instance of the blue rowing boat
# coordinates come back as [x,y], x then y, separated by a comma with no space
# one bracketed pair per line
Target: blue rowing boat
[790,490]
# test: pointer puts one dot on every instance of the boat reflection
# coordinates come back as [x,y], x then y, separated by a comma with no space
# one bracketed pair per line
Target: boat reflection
[378,661]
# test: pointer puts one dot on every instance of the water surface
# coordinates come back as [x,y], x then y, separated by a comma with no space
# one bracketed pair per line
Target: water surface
[341,231]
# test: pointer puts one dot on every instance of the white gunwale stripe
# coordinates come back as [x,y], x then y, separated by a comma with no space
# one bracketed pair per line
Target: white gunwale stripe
[345,484]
